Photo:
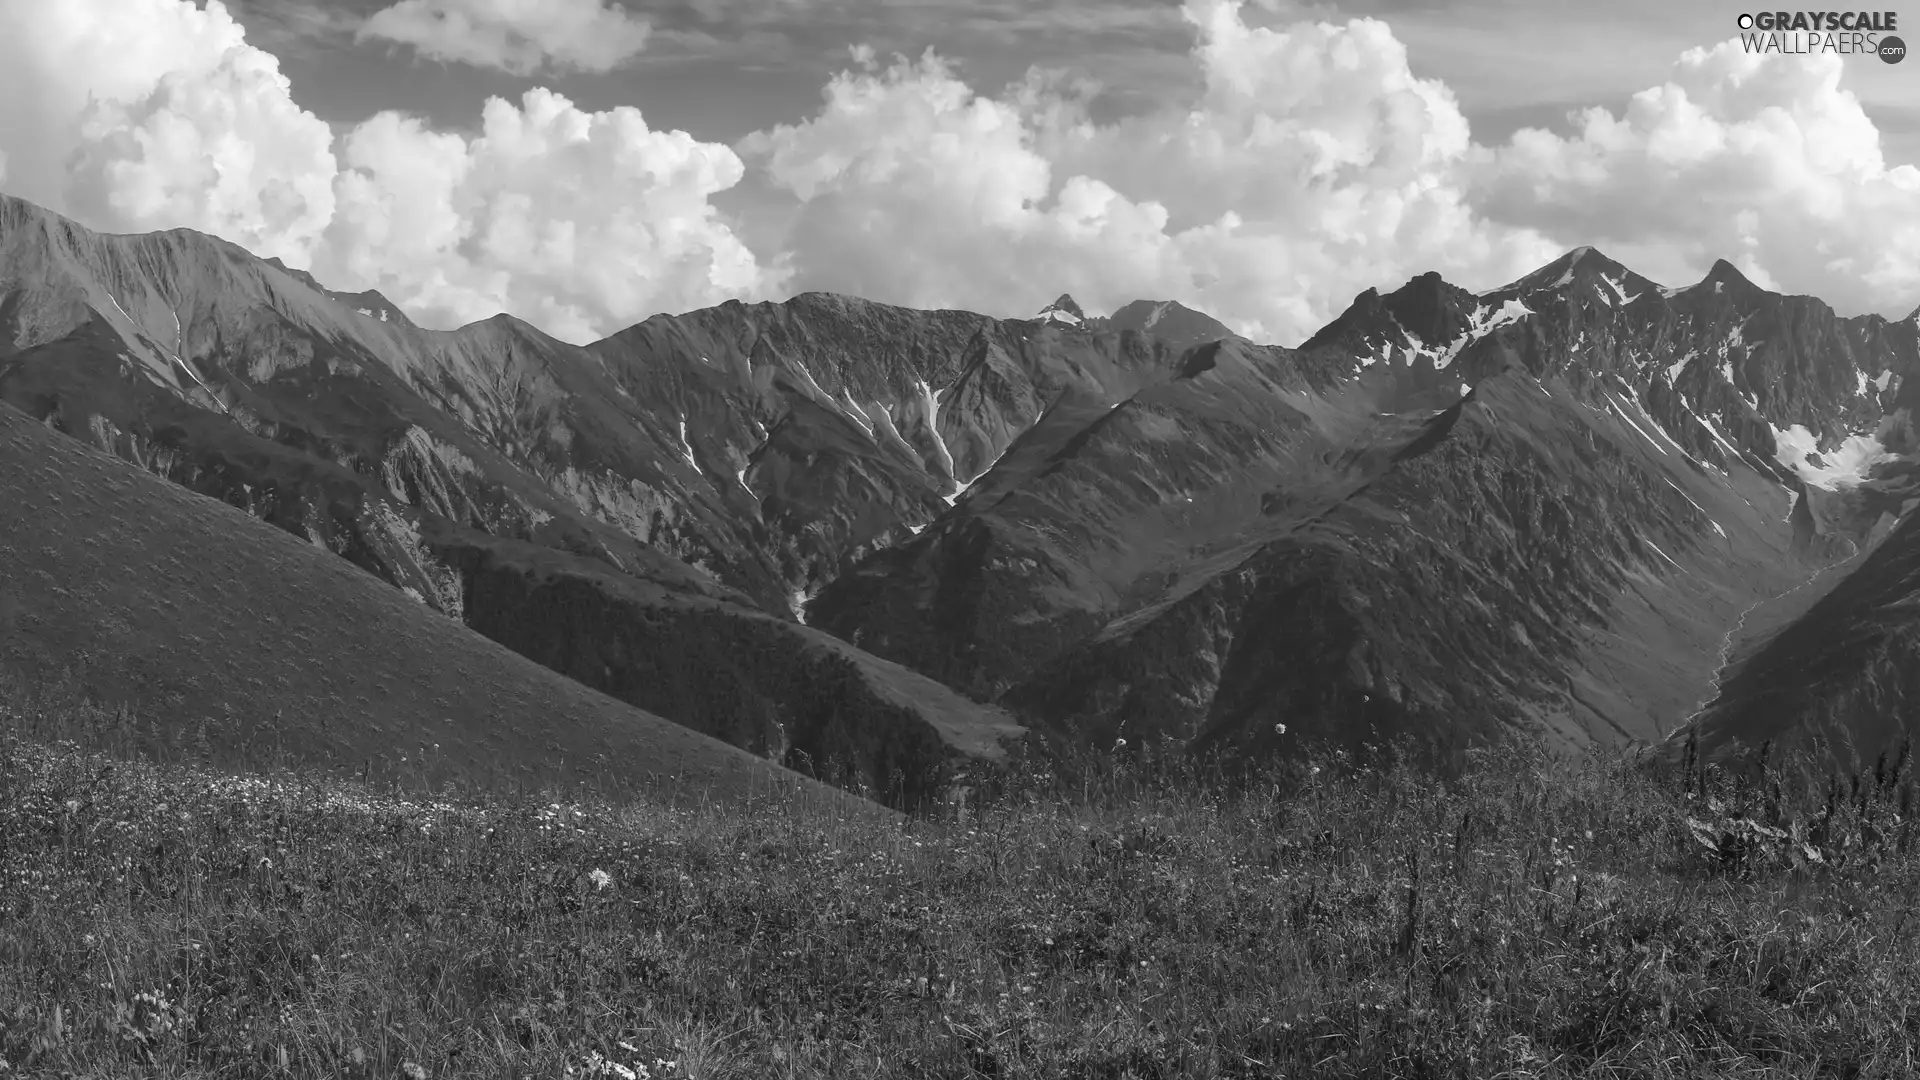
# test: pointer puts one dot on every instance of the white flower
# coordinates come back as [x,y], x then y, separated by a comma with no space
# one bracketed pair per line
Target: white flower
[1279,729]
[600,878]
[1119,743]
[412,1071]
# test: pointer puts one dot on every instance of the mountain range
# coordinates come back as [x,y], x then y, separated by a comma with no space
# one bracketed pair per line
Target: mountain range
[876,544]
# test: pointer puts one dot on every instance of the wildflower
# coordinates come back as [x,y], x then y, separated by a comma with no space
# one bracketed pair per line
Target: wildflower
[1118,743]
[1279,729]
[600,878]
[412,1071]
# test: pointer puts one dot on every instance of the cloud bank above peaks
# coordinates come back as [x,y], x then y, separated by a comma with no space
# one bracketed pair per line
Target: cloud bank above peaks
[1315,164]
[136,115]
[579,222]
[149,114]
[520,37]
[1761,159]
[1311,165]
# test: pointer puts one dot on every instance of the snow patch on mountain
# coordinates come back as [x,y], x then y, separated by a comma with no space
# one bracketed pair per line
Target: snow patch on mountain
[1533,282]
[1844,466]
[1712,429]
[1618,290]
[1068,313]
[1384,350]
[1482,322]
[857,414]
[1674,369]
[931,402]
[1664,555]
[963,485]
[800,367]
[1736,341]
[1621,411]
[1697,506]
[686,448]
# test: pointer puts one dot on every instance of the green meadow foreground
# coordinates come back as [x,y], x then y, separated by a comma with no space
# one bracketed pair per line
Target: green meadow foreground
[1530,919]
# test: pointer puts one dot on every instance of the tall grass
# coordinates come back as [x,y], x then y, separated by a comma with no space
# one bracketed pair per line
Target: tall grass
[1527,917]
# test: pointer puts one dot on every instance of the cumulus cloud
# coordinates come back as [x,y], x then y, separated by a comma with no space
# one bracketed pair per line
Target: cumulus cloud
[135,115]
[517,36]
[149,114]
[1761,159]
[579,222]
[1313,166]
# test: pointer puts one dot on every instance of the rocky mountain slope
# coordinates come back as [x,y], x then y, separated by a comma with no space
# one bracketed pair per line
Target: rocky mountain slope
[428,458]
[233,639]
[873,542]
[1447,515]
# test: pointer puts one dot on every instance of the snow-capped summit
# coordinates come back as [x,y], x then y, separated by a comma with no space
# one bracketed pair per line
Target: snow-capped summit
[1612,282]
[1063,310]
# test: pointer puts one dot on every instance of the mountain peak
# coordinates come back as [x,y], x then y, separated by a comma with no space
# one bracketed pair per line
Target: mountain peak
[301,276]
[1725,272]
[1585,263]
[1170,321]
[1429,307]
[1063,310]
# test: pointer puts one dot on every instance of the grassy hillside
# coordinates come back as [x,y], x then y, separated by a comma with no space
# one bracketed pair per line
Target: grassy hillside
[236,637]
[1529,919]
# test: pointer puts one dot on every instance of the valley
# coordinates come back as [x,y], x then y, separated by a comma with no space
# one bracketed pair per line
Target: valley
[882,546]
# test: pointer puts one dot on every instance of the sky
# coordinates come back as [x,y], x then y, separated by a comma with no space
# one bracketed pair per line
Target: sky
[583,164]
